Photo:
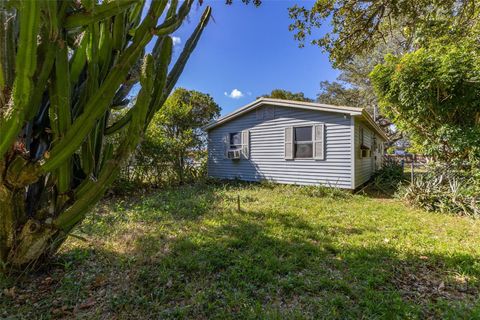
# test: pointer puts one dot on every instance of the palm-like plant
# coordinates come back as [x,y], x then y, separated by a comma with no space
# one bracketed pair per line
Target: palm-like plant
[64,65]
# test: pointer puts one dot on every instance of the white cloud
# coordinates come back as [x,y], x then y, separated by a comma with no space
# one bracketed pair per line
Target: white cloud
[235,94]
[176,40]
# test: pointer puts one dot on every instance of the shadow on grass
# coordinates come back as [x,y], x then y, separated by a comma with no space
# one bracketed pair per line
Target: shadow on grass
[252,264]
[376,192]
[245,269]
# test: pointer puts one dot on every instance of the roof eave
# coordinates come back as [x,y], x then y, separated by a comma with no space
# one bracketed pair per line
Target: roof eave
[283,103]
[372,122]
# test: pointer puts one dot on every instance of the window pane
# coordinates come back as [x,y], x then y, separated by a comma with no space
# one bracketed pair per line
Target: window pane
[304,150]
[235,138]
[303,134]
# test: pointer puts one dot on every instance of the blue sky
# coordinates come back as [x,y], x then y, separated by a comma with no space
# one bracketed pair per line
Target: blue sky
[249,51]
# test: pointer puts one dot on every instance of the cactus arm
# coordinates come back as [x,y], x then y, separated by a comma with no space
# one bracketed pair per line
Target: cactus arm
[119,31]
[64,117]
[167,83]
[187,50]
[86,158]
[162,54]
[41,82]
[91,191]
[79,59]
[8,47]
[120,124]
[107,155]
[105,48]
[148,24]
[91,86]
[173,23]
[99,102]
[60,109]
[52,18]
[135,14]
[164,59]
[172,9]
[12,121]
[99,141]
[98,13]
[46,55]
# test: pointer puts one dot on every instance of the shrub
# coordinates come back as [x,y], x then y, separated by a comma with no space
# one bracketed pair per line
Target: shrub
[444,189]
[389,176]
[174,147]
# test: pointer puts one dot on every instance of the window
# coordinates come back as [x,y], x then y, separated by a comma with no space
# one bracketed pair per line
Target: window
[235,140]
[365,150]
[307,142]
[366,153]
[236,145]
[303,142]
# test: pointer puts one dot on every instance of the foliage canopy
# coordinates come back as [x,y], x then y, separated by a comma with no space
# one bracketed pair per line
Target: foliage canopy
[358,26]
[287,95]
[175,134]
[434,94]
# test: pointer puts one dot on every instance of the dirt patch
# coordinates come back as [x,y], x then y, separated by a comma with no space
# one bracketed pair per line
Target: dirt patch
[425,283]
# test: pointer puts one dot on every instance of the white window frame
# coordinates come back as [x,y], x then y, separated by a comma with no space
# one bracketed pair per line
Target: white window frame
[233,146]
[312,141]
[318,141]
[243,146]
[364,153]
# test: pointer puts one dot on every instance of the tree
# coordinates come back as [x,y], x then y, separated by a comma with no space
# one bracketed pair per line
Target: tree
[337,93]
[176,130]
[287,95]
[364,32]
[433,93]
[359,26]
[62,72]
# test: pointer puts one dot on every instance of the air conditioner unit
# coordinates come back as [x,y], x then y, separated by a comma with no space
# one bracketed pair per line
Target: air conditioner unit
[233,154]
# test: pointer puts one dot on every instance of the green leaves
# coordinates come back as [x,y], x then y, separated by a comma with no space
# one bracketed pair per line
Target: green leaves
[358,27]
[287,95]
[433,95]
[176,129]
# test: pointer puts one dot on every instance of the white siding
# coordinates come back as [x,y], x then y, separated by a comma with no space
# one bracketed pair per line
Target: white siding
[267,154]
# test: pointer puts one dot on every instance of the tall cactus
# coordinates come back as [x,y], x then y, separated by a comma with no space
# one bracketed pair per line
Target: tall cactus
[64,65]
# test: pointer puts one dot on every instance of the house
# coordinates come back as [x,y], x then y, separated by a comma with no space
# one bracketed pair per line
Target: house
[297,143]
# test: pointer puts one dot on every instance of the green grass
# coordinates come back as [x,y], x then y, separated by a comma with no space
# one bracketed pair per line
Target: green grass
[292,252]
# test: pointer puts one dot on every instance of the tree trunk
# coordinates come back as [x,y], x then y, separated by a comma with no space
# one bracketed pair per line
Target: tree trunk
[7,218]
[180,169]
[24,238]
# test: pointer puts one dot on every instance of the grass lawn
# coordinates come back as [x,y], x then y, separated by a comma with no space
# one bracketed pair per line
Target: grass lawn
[291,252]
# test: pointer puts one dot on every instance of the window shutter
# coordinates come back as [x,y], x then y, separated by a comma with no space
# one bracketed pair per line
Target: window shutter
[246,144]
[289,143]
[319,142]
[226,145]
